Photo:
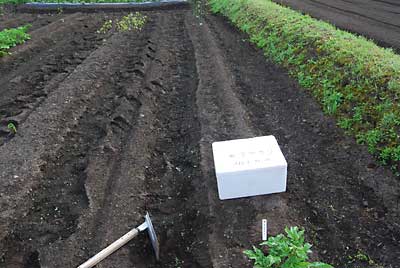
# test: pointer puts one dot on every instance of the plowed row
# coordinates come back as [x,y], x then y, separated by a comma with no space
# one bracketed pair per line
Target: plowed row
[378,20]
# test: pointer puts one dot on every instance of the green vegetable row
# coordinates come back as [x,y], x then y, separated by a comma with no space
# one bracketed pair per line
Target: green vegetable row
[353,78]
[11,37]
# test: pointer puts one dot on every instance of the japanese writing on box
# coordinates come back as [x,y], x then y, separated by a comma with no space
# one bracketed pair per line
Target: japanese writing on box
[253,157]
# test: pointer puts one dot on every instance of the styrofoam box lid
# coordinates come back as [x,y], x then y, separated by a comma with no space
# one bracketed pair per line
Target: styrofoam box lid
[247,154]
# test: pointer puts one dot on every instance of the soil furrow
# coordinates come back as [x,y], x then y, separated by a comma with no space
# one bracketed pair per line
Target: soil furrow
[388,2]
[36,21]
[371,9]
[234,220]
[355,19]
[42,40]
[103,163]
[125,192]
[360,14]
[28,86]
[68,105]
[174,175]
[378,5]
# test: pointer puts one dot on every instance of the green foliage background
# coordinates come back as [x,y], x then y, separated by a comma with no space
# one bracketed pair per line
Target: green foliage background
[353,78]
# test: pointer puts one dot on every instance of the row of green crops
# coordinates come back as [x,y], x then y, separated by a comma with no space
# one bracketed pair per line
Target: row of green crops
[353,78]
[11,37]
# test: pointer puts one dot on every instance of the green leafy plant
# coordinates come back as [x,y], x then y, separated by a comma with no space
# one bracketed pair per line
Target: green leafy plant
[11,126]
[331,101]
[12,37]
[131,22]
[178,263]
[285,251]
[106,27]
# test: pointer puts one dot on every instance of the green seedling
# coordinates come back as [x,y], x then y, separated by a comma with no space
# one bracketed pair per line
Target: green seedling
[60,11]
[11,37]
[12,128]
[363,257]
[285,251]
[178,263]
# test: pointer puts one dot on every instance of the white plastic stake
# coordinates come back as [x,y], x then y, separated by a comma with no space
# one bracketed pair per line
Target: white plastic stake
[264,229]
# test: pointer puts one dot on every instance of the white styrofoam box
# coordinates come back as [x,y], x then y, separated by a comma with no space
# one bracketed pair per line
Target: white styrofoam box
[248,167]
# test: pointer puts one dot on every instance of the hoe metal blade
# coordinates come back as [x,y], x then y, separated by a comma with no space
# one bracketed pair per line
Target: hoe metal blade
[152,235]
[125,239]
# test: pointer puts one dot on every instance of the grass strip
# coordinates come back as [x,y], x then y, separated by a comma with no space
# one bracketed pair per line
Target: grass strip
[353,79]
[11,37]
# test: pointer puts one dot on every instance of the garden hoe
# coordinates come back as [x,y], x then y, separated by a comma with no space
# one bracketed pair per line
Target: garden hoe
[147,225]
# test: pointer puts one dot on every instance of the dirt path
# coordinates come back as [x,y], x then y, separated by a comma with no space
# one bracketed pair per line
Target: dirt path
[109,129]
[375,19]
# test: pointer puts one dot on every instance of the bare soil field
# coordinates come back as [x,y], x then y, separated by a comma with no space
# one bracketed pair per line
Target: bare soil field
[376,19]
[111,126]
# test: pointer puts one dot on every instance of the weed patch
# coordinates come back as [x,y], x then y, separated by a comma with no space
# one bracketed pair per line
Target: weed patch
[130,22]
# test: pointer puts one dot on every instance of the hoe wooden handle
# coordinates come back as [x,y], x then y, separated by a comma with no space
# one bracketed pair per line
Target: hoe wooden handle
[110,249]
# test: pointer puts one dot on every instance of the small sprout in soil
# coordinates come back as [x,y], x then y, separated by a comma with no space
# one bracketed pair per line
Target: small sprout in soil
[285,251]
[12,128]
[178,263]
[363,257]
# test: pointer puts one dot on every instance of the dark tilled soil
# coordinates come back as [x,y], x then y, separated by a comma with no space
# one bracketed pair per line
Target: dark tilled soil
[375,19]
[111,126]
